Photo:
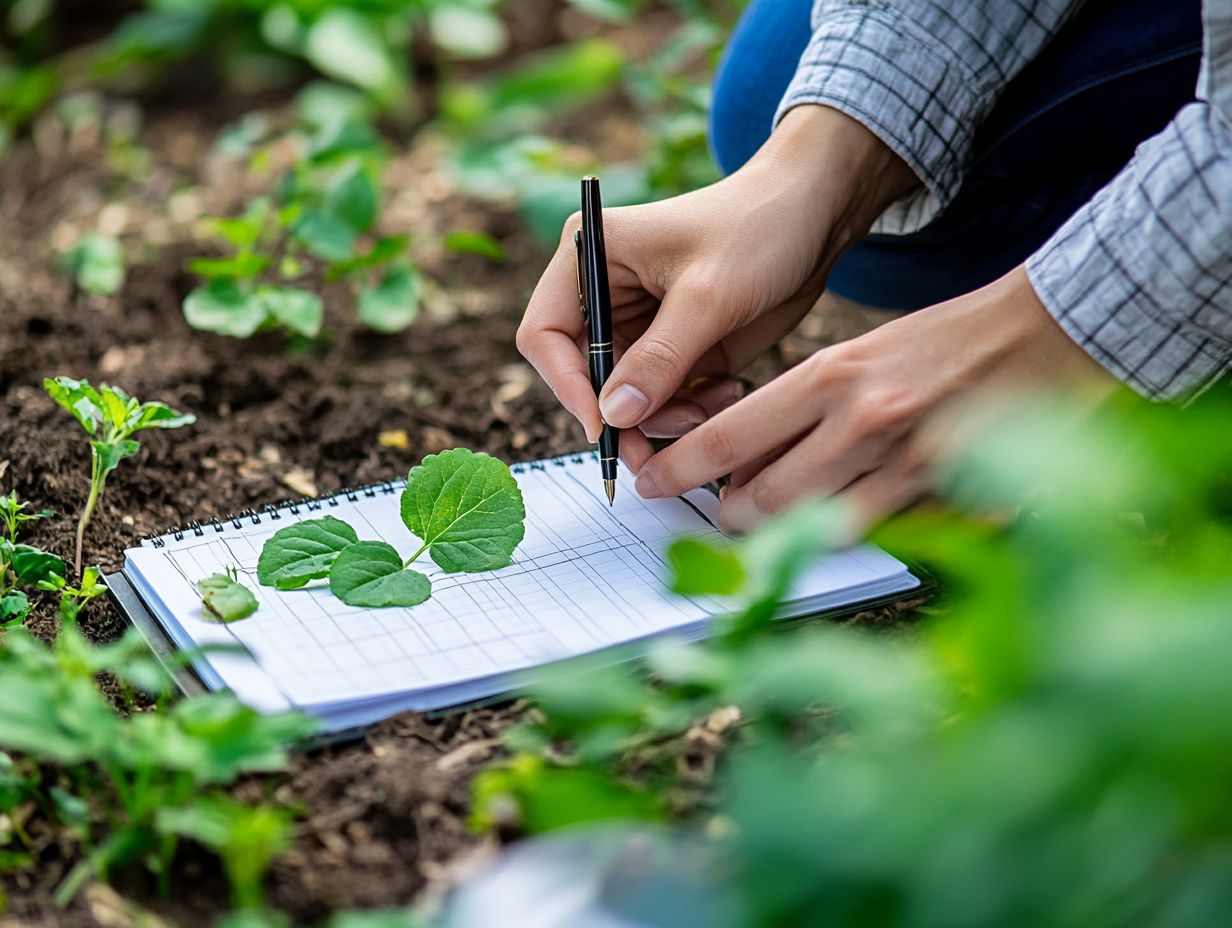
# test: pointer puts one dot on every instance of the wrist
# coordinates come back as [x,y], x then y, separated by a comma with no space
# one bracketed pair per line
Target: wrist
[841,175]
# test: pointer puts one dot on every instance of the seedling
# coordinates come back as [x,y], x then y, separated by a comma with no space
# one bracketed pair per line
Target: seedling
[110,417]
[465,507]
[96,263]
[74,598]
[319,228]
[21,565]
[225,598]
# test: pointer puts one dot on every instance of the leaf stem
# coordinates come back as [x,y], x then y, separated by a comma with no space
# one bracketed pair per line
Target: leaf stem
[96,490]
[414,557]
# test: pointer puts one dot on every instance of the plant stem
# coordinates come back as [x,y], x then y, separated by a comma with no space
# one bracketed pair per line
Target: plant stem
[411,560]
[96,490]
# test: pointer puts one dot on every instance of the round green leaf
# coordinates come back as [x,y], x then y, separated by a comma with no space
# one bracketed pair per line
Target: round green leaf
[393,304]
[227,599]
[468,33]
[467,508]
[302,552]
[223,308]
[298,310]
[370,573]
[346,45]
[326,235]
[353,197]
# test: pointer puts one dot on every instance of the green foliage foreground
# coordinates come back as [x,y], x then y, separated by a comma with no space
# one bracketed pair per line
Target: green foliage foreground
[1051,749]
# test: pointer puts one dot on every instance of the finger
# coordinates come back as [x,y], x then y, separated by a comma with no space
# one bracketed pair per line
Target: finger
[884,491]
[688,326]
[821,464]
[756,425]
[548,338]
[680,416]
[635,450]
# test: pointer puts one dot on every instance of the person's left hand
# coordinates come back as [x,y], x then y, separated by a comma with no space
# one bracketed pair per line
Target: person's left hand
[858,418]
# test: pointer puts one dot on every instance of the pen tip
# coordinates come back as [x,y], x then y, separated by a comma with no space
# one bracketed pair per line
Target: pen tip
[610,487]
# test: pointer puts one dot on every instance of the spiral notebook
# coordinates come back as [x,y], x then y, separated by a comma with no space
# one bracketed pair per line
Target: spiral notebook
[587,577]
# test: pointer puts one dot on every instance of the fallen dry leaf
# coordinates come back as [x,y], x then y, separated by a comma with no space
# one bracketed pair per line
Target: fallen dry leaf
[299,481]
[394,438]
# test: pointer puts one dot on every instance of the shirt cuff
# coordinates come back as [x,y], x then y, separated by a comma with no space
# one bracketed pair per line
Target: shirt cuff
[1139,278]
[878,67]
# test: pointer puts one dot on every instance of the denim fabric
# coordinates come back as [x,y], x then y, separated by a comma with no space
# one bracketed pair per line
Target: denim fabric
[1114,75]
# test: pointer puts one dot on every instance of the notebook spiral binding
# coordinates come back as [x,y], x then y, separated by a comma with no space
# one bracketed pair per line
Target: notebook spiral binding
[274,511]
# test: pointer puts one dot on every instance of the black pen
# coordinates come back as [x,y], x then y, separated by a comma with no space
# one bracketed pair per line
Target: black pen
[596,302]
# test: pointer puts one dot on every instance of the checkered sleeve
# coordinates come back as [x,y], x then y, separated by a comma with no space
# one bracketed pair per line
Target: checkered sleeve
[921,74]
[1141,276]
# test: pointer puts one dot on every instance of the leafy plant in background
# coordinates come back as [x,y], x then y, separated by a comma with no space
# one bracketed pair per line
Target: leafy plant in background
[465,507]
[96,263]
[318,229]
[20,564]
[130,787]
[1050,749]
[110,417]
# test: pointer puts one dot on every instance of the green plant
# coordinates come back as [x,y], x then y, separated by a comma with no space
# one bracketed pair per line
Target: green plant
[20,564]
[74,598]
[96,262]
[1049,748]
[225,598]
[319,229]
[128,784]
[110,417]
[465,508]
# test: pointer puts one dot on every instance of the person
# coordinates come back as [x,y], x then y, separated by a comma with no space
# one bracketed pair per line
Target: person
[1036,179]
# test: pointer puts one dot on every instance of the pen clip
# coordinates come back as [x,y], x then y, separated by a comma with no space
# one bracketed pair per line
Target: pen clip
[581,273]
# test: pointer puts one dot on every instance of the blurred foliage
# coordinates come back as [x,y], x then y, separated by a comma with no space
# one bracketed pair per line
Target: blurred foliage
[1051,748]
[128,787]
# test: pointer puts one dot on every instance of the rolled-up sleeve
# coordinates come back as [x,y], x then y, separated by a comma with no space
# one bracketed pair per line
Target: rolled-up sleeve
[921,75]
[1141,276]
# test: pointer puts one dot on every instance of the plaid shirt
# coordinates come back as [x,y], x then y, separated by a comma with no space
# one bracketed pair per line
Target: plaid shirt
[1141,276]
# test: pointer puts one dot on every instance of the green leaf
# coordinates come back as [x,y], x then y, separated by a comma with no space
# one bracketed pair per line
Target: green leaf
[476,243]
[342,137]
[14,607]
[226,598]
[468,33]
[353,197]
[225,309]
[300,311]
[702,569]
[32,565]
[325,235]
[110,454]
[467,508]
[370,573]
[155,415]
[383,249]
[239,267]
[97,261]
[346,45]
[302,552]
[79,398]
[393,304]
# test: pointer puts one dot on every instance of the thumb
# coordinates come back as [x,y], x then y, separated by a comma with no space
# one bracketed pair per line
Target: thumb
[652,369]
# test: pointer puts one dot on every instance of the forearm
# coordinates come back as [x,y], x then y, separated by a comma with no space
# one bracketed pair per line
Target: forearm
[830,176]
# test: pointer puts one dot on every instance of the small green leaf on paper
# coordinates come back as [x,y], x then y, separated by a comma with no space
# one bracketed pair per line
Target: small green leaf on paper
[226,598]
[370,573]
[303,552]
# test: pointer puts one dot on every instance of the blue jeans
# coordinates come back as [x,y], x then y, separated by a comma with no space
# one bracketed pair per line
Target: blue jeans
[1112,77]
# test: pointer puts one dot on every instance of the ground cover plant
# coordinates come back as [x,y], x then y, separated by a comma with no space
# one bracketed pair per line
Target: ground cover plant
[21,565]
[110,417]
[465,508]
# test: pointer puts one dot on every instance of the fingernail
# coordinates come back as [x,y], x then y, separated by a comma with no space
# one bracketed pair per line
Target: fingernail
[723,493]
[591,436]
[624,406]
[646,486]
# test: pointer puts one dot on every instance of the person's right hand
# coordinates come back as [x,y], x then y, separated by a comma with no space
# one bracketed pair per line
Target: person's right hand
[703,283]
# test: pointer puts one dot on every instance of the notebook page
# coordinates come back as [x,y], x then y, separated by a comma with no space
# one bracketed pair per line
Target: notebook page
[586,577]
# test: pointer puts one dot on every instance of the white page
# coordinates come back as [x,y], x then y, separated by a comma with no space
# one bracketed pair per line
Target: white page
[585,577]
